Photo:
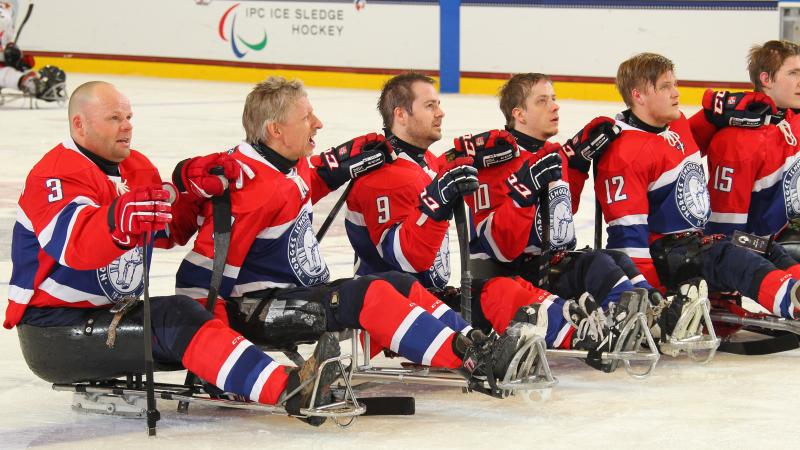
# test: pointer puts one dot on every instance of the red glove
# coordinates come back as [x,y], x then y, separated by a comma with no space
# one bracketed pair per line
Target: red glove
[738,109]
[194,175]
[142,210]
[489,148]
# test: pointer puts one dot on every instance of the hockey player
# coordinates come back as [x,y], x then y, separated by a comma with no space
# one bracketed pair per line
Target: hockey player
[89,208]
[505,240]
[16,68]
[652,190]
[398,219]
[275,268]
[755,171]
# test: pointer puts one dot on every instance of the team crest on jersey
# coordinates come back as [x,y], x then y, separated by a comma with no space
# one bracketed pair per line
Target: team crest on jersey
[691,195]
[791,190]
[562,224]
[124,276]
[440,271]
[304,255]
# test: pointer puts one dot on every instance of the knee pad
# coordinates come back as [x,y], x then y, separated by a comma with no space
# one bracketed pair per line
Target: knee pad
[677,258]
[281,321]
[790,241]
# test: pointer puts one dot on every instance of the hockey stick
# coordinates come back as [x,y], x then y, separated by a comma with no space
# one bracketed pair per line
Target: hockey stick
[598,213]
[334,211]
[462,231]
[544,213]
[152,413]
[221,210]
[24,21]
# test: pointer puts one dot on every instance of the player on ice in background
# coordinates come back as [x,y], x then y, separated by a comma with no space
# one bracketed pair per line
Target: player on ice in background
[80,224]
[755,172]
[16,68]
[398,219]
[507,233]
[652,189]
[275,267]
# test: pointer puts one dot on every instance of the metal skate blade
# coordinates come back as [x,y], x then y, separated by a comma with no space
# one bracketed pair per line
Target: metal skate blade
[690,338]
[529,369]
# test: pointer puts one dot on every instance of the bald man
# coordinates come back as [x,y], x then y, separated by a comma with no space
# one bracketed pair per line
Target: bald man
[90,208]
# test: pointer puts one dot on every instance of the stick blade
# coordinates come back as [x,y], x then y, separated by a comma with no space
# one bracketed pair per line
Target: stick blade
[388,406]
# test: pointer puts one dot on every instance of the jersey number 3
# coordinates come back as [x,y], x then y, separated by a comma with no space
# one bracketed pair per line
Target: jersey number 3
[54,186]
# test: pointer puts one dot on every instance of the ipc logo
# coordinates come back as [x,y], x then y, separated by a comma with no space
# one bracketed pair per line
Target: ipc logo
[227,31]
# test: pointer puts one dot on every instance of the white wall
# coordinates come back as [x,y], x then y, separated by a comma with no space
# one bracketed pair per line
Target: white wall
[371,37]
[705,45]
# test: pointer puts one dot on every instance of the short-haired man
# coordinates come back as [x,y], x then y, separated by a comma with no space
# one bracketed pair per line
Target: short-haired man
[652,190]
[274,266]
[90,208]
[755,172]
[398,219]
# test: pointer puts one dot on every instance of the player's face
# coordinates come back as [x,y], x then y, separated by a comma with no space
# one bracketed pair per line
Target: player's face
[106,127]
[658,105]
[784,87]
[295,136]
[539,117]
[423,124]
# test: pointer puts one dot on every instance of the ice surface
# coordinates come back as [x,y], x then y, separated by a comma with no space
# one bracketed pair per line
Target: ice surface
[735,402]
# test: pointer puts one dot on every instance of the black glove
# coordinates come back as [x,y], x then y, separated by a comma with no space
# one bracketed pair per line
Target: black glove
[738,109]
[590,143]
[487,149]
[353,159]
[531,179]
[12,56]
[454,180]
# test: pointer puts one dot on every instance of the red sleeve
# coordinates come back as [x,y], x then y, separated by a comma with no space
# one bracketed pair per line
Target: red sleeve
[184,223]
[702,130]
[319,188]
[70,220]
[395,223]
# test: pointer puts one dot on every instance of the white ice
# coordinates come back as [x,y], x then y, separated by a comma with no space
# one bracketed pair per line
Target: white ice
[734,402]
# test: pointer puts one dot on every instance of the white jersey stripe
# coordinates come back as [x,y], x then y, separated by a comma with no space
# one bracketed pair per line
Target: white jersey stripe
[224,371]
[728,217]
[435,346]
[71,295]
[255,393]
[403,328]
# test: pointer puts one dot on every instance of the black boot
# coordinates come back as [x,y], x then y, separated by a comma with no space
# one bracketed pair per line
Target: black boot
[487,361]
[327,347]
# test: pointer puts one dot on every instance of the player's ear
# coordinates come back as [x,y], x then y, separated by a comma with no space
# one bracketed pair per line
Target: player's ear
[272,130]
[400,115]
[519,115]
[765,80]
[636,96]
[77,124]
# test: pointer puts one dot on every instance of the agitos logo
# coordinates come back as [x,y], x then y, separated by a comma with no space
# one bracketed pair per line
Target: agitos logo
[233,37]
